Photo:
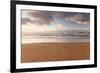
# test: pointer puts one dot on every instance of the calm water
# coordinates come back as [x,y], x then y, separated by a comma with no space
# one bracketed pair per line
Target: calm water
[43,39]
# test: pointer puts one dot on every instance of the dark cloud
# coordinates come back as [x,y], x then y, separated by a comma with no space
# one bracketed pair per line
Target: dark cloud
[47,17]
[81,17]
[42,17]
[64,14]
[25,20]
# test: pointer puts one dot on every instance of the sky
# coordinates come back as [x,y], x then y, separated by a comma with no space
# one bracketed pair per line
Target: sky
[34,21]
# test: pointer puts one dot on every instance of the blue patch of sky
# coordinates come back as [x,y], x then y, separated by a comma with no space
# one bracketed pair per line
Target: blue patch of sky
[71,25]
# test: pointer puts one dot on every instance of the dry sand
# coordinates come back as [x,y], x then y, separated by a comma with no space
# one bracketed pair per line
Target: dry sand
[42,52]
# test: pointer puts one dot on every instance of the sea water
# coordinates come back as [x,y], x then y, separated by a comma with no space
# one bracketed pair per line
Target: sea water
[56,39]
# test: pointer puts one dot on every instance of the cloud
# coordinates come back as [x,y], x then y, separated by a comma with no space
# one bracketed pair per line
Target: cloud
[48,17]
[64,14]
[39,17]
[80,18]
[26,20]
[60,27]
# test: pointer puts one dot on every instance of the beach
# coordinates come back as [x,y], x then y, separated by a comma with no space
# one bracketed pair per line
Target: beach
[44,52]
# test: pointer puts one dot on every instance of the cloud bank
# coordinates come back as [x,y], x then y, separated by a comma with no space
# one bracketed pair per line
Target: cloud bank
[48,17]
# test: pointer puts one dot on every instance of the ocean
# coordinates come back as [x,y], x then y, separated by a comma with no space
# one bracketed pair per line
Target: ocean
[57,39]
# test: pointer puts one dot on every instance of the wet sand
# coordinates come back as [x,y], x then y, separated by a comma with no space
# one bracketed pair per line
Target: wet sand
[42,52]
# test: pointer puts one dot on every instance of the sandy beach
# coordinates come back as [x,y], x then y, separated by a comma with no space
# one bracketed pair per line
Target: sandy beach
[42,52]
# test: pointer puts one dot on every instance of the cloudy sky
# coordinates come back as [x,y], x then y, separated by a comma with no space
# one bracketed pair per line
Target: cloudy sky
[34,21]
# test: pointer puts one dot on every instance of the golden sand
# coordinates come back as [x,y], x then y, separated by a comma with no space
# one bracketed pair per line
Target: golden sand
[42,52]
